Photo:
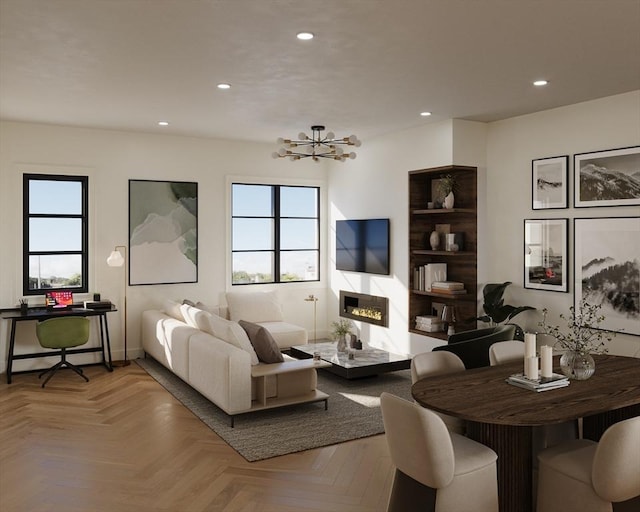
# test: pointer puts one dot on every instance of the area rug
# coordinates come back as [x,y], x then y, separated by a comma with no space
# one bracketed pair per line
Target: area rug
[354,412]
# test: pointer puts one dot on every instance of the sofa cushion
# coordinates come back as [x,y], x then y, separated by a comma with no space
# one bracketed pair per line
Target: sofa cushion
[233,334]
[196,317]
[263,343]
[254,306]
[286,335]
[172,309]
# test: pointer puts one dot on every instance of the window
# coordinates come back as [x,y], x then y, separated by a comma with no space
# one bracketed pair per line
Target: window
[275,233]
[55,233]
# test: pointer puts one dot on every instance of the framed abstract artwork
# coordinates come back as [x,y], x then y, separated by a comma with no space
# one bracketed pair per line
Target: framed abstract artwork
[163,232]
[546,254]
[607,178]
[549,183]
[607,269]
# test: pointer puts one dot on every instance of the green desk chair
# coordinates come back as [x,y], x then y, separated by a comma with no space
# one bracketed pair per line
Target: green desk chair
[63,333]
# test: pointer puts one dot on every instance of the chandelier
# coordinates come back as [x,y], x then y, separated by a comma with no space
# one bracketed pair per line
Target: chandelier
[317,146]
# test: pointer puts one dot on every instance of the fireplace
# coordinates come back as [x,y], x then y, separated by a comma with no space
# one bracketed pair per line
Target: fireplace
[364,308]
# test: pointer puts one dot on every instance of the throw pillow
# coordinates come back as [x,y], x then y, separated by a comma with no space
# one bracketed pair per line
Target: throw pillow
[195,317]
[172,308]
[232,333]
[254,306]
[263,343]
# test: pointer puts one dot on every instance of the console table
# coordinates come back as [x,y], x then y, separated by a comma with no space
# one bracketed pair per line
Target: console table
[39,314]
[503,416]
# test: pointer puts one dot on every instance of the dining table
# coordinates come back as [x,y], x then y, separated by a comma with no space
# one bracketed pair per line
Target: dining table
[505,417]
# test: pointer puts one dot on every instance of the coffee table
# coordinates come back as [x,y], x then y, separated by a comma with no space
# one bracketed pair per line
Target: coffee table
[367,362]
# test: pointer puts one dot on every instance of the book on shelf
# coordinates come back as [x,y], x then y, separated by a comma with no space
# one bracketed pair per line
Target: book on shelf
[448,285]
[428,319]
[541,384]
[430,327]
[425,275]
[443,291]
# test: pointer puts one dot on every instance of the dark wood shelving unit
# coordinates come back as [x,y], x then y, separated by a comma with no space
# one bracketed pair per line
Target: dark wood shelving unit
[461,265]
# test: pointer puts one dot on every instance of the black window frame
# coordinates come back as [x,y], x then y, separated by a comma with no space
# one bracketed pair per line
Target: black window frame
[27,178]
[276,217]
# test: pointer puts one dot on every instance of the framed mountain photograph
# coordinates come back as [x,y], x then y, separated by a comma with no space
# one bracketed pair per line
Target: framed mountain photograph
[607,178]
[607,269]
[549,183]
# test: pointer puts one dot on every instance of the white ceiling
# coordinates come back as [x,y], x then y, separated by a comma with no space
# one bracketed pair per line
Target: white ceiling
[373,66]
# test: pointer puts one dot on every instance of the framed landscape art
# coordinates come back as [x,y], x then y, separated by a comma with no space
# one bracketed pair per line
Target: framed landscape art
[607,178]
[549,177]
[545,254]
[163,232]
[607,269]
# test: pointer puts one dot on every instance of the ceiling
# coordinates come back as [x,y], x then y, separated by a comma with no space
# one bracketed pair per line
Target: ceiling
[372,67]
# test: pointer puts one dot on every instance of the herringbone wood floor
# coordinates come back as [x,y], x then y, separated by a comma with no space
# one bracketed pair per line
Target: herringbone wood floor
[122,443]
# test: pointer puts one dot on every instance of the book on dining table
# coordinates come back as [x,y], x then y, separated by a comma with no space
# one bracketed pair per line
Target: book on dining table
[541,384]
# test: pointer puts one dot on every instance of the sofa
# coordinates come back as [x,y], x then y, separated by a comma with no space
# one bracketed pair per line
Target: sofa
[215,356]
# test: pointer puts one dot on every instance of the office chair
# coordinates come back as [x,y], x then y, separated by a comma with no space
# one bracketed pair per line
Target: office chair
[63,333]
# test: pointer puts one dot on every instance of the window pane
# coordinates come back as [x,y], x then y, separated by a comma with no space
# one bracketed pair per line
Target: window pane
[252,200]
[299,266]
[252,234]
[298,234]
[252,267]
[298,202]
[55,197]
[55,235]
[56,271]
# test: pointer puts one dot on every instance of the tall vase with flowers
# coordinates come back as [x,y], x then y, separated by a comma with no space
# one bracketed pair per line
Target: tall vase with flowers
[340,330]
[582,338]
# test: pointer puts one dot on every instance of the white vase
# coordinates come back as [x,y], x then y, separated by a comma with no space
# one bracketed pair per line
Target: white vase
[342,343]
[434,240]
[449,200]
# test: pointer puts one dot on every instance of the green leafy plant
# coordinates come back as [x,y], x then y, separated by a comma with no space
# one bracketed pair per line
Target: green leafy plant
[583,334]
[341,328]
[447,184]
[496,311]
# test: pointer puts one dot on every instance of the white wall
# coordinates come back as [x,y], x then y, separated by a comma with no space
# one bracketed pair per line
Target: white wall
[607,123]
[111,158]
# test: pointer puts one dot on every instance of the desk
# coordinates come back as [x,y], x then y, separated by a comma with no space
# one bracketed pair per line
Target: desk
[503,417]
[38,314]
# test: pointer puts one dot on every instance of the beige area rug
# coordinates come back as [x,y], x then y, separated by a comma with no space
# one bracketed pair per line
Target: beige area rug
[354,412]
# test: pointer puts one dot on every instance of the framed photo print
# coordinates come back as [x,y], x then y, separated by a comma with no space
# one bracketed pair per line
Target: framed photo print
[549,177]
[607,178]
[545,254]
[607,269]
[163,232]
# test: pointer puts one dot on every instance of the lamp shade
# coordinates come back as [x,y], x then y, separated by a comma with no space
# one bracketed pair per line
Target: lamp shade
[115,259]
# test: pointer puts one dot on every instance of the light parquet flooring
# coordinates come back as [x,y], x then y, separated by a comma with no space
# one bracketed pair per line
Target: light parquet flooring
[122,443]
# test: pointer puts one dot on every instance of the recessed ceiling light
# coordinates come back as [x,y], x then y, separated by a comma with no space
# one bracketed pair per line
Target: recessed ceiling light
[304,36]
[425,114]
[540,83]
[163,123]
[224,86]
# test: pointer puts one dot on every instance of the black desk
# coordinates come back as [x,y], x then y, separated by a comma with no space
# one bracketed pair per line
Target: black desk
[39,314]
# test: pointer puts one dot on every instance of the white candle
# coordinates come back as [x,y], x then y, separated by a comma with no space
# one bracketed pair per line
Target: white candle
[546,361]
[532,368]
[529,344]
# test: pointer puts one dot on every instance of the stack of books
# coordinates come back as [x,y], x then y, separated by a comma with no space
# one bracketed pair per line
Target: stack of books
[429,323]
[448,288]
[542,384]
[425,275]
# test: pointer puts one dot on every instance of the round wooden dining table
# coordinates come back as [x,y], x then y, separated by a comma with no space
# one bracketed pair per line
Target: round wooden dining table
[504,417]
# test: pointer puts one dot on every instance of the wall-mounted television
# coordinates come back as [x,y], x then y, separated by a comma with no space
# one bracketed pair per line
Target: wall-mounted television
[363,245]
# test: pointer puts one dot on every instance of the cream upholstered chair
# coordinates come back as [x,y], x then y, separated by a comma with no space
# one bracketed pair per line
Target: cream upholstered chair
[428,364]
[436,471]
[584,476]
[506,352]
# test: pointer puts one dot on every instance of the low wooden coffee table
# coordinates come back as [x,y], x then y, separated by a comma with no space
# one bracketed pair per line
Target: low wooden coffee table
[367,362]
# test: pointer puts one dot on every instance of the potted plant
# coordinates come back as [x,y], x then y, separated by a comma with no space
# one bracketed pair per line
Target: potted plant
[447,187]
[496,311]
[582,338]
[340,330]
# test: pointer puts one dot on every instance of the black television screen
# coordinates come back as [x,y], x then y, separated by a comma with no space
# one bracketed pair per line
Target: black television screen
[363,245]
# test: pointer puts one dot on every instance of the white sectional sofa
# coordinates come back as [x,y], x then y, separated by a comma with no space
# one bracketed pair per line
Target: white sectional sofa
[214,356]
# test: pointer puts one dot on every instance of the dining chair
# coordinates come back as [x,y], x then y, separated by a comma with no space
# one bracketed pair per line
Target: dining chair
[63,333]
[436,470]
[426,364]
[585,476]
[508,351]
